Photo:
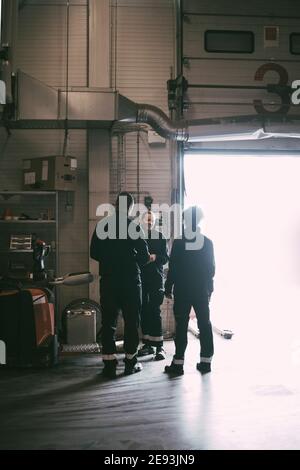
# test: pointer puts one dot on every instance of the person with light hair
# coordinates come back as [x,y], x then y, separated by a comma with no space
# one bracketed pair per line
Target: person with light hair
[191,273]
[153,289]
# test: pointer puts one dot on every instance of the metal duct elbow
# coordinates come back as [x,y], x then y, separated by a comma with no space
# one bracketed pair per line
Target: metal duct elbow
[161,123]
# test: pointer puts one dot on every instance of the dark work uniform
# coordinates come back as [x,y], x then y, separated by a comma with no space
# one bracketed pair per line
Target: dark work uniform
[153,289]
[120,288]
[191,272]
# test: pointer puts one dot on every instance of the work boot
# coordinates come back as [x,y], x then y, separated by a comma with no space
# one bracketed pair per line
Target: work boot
[204,367]
[145,350]
[160,354]
[174,369]
[110,368]
[132,366]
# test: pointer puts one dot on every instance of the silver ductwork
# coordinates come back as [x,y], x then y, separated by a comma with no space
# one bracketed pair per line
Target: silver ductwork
[208,130]
[160,123]
[40,106]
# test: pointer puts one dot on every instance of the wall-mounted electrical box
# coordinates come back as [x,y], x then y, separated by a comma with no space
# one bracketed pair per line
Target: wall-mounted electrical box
[53,173]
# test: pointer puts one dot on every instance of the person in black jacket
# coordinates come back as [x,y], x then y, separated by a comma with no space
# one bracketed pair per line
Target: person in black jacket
[153,290]
[120,258]
[191,272]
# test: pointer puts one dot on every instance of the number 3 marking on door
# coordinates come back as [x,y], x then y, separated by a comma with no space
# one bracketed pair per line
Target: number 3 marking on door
[283,93]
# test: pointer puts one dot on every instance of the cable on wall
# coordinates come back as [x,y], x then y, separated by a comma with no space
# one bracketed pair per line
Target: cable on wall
[66,134]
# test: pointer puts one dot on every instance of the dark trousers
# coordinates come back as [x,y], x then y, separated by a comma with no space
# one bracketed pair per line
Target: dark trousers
[183,302]
[125,296]
[152,298]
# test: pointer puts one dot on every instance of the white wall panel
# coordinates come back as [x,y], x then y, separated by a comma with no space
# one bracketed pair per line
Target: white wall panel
[145,47]
[142,60]
[42,50]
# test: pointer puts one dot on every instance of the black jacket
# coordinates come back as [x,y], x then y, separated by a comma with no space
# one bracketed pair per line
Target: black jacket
[191,270]
[119,258]
[157,245]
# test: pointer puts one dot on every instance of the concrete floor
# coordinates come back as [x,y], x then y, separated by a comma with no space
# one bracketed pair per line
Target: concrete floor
[243,404]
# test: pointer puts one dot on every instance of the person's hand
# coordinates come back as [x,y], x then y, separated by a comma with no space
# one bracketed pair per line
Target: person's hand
[152,258]
[169,295]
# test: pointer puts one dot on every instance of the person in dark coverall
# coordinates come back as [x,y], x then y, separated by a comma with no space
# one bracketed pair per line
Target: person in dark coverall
[191,272]
[153,290]
[120,258]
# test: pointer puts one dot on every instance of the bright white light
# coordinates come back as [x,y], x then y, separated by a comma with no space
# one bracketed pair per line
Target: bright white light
[251,210]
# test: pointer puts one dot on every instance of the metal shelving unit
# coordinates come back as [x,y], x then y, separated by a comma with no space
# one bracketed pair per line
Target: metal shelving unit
[16,251]
[32,202]
[27,221]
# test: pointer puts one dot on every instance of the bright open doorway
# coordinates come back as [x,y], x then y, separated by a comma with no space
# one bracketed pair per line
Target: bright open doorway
[251,205]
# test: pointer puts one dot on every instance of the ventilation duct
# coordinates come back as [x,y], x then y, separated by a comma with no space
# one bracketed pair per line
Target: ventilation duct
[40,106]
[208,130]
